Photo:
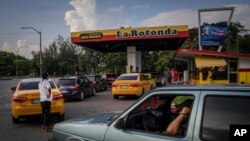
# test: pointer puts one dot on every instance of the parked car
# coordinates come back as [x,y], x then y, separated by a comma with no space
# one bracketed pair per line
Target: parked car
[26,100]
[213,110]
[76,87]
[151,79]
[110,77]
[135,84]
[98,81]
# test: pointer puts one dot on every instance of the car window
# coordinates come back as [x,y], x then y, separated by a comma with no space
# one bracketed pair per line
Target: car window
[220,112]
[86,80]
[143,77]
[111,75]
[127,77]
[32,85]
[66,82]
[158,114]
[147,76]
[91,78]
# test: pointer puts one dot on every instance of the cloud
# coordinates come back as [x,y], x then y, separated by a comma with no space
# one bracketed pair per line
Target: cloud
[7,47]
[241,14]
[84,16]
[190,17]
[140,6]
[177,17]
[116,9]
[21,43]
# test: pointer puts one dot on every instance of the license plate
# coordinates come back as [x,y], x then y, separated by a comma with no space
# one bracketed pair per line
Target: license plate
[64,91]
[124,87]
[35,101]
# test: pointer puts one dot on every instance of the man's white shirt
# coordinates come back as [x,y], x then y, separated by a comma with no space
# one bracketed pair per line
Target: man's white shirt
[44,87]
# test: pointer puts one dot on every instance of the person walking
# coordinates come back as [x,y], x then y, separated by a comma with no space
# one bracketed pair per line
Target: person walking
[167,75]
[45,100]
[175,76]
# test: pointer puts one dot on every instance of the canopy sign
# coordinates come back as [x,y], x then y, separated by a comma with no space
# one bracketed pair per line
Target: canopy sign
[143,33]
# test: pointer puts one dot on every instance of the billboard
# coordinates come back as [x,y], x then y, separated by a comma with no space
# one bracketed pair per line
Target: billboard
[213,34]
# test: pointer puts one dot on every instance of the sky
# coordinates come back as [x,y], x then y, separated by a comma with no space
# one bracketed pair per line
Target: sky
[61,17]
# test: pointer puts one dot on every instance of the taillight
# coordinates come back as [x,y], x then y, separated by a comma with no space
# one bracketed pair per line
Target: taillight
[19,99]
[114,85]
[135,84]
[73,87]
[57,97]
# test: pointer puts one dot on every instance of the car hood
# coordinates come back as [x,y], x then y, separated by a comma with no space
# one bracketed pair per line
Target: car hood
[90,127]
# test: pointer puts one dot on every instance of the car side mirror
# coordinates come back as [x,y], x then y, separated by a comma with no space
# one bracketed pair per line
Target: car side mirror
[13,89]
[120,124]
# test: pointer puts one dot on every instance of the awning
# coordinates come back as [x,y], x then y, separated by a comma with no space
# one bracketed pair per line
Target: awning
[204,61]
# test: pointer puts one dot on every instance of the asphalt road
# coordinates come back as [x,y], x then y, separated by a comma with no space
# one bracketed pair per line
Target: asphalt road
[30,129]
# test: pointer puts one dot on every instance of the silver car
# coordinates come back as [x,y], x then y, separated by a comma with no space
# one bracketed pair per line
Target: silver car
[212,110]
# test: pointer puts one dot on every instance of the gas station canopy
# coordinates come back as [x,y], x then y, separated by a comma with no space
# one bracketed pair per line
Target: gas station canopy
[144,38]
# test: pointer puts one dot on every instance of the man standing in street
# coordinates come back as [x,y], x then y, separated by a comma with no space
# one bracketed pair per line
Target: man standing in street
[45,100]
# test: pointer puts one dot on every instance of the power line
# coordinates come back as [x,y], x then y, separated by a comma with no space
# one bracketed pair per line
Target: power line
[13,33]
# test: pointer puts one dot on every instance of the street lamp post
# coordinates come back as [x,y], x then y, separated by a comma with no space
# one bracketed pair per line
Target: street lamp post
[40,36]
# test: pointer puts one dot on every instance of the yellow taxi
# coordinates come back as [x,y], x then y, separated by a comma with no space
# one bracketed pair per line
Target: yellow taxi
[130,84]
[151,79]
[26,100]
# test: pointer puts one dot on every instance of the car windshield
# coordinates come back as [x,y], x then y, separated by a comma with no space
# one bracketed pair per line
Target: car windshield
[127,77]
[32,85]
[66,82]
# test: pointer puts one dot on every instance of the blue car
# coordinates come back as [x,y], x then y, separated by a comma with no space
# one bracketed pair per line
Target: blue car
[77,87]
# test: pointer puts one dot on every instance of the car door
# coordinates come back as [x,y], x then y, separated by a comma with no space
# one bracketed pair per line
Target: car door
[84,85]
[219,110]
[146,83]
[126,134]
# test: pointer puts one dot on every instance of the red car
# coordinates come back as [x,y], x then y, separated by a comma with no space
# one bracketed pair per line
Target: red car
[110,77]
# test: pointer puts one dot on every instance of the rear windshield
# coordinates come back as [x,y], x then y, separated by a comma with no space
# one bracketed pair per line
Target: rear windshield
[66,82]
[91,78]
[111,75]
[127,77]
[33,85]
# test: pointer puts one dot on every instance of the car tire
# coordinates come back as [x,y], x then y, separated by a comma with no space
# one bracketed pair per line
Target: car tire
[61,117]
[115,96]
[106,87]
[94,92]
[15,120]
[82,96]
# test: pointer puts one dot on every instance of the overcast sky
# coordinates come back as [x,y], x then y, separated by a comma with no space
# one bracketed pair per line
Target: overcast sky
[60,17]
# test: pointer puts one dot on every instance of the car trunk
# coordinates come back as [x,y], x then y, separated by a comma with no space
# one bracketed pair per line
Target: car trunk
[33,98]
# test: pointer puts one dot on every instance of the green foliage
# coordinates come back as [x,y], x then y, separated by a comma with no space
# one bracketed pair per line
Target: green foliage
[8,63]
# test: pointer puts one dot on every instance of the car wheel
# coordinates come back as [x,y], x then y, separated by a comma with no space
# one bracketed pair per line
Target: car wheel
[61,117]
[115,96]
[82,96]
[15,120]
[94,92]
[106,87]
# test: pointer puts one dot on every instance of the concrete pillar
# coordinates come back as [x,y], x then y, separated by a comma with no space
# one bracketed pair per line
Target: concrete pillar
[134,58]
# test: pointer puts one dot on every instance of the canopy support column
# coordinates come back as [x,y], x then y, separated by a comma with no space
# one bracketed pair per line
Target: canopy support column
[134,59]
